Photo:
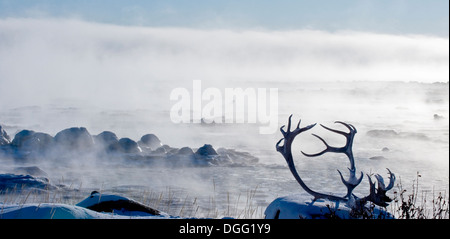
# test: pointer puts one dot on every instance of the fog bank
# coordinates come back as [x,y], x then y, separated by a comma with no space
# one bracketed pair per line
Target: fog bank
[48,60]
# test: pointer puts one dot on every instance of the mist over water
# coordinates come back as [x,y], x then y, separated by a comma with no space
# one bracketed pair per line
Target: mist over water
[55,75]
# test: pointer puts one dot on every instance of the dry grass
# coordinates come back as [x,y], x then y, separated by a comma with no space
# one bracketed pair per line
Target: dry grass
[416,203]
[411,203]
[170,201]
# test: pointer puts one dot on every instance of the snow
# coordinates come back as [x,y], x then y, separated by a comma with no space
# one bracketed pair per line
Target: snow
[78,211]
[383,119]
[96,198]
[62,211]
[300,206]
[296,207]
[48,211]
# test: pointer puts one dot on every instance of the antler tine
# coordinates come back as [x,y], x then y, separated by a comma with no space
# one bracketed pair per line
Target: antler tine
[278,147]
[352,182]
[348,126]
[288,137]
[380,180]
[372,187]
[345,149]
[296,131]
[391,180]
[289,124]
[381,184]
[328,148]
[298,125]
[334,130]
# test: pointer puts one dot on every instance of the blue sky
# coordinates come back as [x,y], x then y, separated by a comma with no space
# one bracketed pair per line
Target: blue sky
[382,16]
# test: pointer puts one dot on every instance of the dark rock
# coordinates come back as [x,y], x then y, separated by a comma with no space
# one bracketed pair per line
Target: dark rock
[438,117]
[106,138]
[160,150]
[150,141]
[74,139]
[185,151]
[391,134]
[382,133]
[206,150]
[32,141]
[377,158]
[115,204]
[21,137]
[128,145]
[385,149]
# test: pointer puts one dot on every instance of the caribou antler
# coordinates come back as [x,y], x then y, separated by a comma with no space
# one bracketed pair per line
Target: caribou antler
[377,196]
[286,151]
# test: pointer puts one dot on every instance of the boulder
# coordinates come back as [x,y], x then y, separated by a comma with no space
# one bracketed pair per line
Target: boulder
[4,137]
[185,151]
[22,137]
[106,139]
[116,204]
[128,145]
[76,138]
[379,133]
[17,183]
[29,140]
[438,117]
[206,150]
[377,158]
[160,150]
[150,141]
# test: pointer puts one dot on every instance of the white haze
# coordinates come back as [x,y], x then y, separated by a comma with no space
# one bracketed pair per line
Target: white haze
[54,59]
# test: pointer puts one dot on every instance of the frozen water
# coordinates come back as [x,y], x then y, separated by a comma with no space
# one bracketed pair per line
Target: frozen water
[397,116]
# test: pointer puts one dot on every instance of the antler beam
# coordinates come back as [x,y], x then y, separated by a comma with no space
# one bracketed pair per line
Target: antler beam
[377,196]
[286,151]
[347,149]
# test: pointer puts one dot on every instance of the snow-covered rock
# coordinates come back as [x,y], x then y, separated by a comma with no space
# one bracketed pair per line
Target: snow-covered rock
[117,205]
[15,182]
[30,170]
[298,206]
[63,211]
[113,207]
[49,211]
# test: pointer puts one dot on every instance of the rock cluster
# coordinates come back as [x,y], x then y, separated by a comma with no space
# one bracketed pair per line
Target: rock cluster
[77,142]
